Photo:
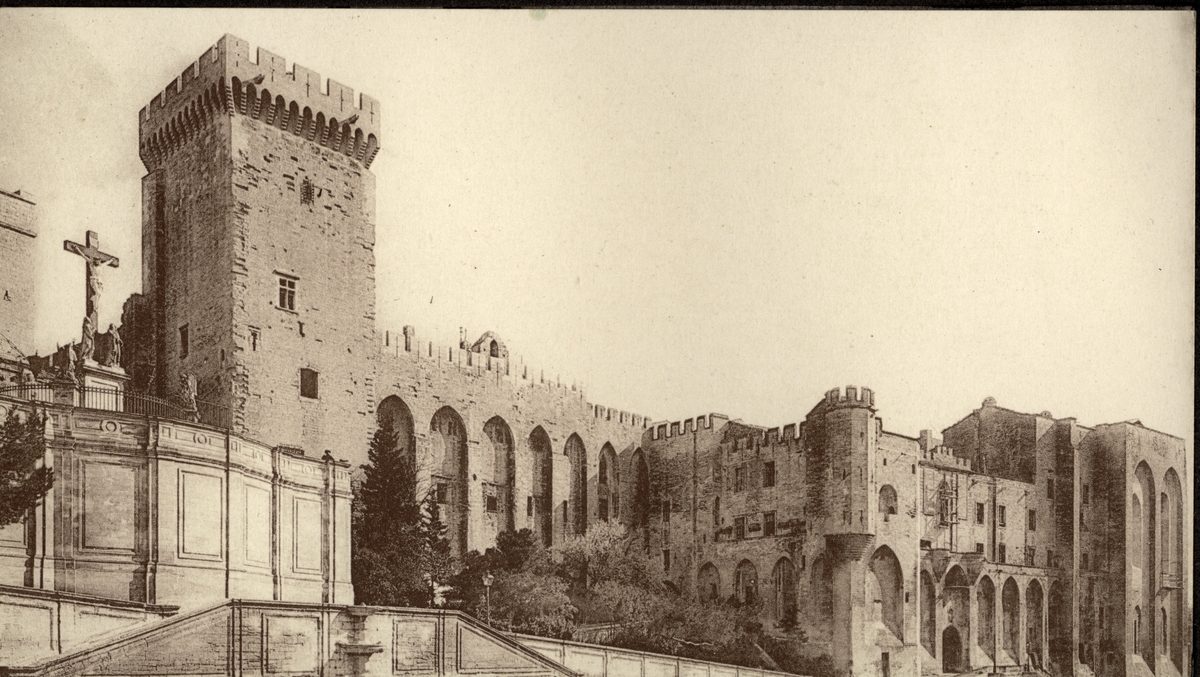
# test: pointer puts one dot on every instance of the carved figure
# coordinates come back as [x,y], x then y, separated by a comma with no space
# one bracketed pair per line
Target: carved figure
[113,358]
[187,395]
[87,346]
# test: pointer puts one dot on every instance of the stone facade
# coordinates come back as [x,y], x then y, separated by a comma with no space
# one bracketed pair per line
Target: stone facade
[1013,541]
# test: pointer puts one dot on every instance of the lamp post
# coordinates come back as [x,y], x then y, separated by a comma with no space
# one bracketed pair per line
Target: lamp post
[487,586]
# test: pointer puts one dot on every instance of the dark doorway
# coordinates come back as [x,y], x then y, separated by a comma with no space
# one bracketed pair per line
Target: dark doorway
[951,650]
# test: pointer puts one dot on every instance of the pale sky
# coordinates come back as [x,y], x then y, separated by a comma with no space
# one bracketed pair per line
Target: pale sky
[697,211]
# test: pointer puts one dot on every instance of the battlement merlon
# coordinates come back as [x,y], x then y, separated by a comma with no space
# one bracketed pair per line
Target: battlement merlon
[225,76]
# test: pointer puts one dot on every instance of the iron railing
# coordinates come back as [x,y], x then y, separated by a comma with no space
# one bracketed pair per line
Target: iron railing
[128,402]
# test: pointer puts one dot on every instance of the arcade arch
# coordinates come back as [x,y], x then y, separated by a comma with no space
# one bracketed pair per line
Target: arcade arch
[886,586]
[783,589]
[503,473]
[577,456]
[449,457]
[541,501]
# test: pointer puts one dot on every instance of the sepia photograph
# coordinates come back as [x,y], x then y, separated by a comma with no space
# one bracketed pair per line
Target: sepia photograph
[596,342]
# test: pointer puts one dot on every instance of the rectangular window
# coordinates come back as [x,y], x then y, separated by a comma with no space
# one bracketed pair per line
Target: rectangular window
[183,342]
[1000,515]
[1050,487]
[768,524]
[666,560]
[443,493]
[1030,555]
[979,509]
[1003,554]
[666,510]
[602,508]
[491,504]
[255,338]
[926,544]
[979,548]
[1085,495]
[308,384]
[529,506]
[1032,520]
[739,476]
[1083,562]
[769,474]
[287,292]
[1082,526]
[739,528]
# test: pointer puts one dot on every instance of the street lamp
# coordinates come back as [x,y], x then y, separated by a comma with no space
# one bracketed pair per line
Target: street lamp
[487,586]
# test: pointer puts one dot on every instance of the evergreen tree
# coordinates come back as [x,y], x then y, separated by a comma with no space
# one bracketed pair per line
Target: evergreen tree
[388,536]
[23,478]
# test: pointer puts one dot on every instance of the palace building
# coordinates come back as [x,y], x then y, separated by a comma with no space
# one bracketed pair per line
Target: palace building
[204,450]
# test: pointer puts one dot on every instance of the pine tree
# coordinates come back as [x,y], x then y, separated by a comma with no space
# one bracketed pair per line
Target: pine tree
[400,554]
[23,479]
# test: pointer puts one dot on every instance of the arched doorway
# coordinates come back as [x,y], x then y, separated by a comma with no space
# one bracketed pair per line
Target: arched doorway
[783,590]
[540,506]
[887,502]
[956,596]
[746,582]
[449,447]
[885,587]
[952,650]
[577,456]
[608,481]
[498,491]
[708,583]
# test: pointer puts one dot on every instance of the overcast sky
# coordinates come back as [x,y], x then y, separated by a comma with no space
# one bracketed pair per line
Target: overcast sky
[709,211]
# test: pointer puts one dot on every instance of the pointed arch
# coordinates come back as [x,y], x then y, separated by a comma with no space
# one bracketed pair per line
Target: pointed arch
[396,413]
[308,127]
[608,484]
[541,501]
[886,587]
[503,473]
[1172,567]
[264,105]
[1145,532]
[358,147]
[985,593]
[708,583]
[745,579]
[450,468]
[1034,620]
[952,650]
[1060,626]
[956,596]
[293,120]
[928,613]
[783,590]
[640,514]
[279,113]
[821,590]
[239,94]
[576,454]
[1010,618]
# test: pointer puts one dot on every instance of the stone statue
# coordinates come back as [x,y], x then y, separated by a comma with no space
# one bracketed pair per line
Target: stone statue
[67,370]
[187,396]
[113,358]
[87,346]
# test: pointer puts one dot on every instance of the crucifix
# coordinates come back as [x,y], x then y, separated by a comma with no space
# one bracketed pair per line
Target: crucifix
[94,257]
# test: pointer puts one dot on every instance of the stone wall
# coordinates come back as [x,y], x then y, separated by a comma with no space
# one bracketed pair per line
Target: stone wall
[18,281]
[152,510]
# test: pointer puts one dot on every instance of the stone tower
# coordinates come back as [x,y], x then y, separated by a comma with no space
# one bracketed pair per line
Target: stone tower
[258,233]
[18,228]
[842,477]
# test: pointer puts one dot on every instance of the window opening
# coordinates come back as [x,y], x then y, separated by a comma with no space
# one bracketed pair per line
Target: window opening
[287,293]
[183,342]
[308,383]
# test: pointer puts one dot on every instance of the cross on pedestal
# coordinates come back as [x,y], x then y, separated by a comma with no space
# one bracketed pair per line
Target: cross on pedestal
[94,257]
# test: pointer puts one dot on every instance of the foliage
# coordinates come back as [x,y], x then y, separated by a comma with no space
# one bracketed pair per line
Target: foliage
[23,478]
[399,556]
[526,594]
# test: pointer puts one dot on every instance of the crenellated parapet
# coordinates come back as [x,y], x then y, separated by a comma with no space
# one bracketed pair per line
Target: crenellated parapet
[481,358]
[668,429]
[225,81]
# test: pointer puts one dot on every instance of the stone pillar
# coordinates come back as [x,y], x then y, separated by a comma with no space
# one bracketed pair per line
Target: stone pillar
[850,650]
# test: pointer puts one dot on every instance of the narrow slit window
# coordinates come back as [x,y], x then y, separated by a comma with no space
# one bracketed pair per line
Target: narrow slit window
[184,342]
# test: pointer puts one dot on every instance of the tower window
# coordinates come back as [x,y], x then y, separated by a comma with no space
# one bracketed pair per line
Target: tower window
[666,560]
[979,513]
[769,474]
[1033,520]
[287,292]
[306,192]
[255,337]
[491,504]
[739,528]
[183,342]
[979,548]
[1003,554]
[1000,515]
[442,493]
[1050,487]
[739,476]
[768,524]
[529,506]
[308,383]
[1085,494]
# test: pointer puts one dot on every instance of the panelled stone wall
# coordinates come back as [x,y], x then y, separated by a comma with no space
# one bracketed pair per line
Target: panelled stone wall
[151,510]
